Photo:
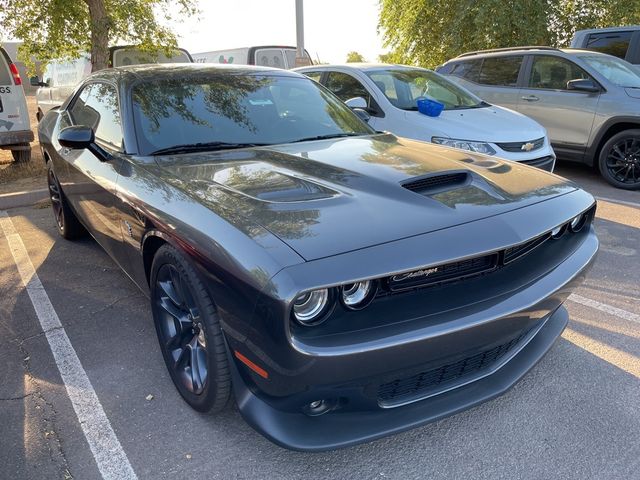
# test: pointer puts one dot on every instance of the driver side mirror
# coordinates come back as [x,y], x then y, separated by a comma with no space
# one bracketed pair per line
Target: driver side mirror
[81,137]
[583,85]
[35,82]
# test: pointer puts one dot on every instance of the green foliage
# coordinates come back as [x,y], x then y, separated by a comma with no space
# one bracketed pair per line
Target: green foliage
[355,57]
[430,32]
[62,29]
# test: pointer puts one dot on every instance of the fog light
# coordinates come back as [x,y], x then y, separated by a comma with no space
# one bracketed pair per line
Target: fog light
[357,295]
[319,407]
[310,307]
[578,222]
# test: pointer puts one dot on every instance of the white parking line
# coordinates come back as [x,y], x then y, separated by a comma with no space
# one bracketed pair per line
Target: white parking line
[111,459]
[603,307]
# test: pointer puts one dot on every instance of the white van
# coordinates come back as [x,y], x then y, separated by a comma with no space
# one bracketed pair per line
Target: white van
[15,129]
[60,78]
[263,55]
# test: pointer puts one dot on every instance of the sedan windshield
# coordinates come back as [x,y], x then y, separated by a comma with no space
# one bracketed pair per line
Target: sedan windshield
[617,71]
[203,112]
[403,87]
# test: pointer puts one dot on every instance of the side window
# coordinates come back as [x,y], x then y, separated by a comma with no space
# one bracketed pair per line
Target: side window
[270,57]
[314,76]
[554,72]
[344,86]
[500,71]
[97,107]
[469,70]
[615,44]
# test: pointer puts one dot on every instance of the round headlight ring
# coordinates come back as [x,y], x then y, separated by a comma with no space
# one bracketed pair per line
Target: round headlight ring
[310,308]
[356,296]
[578,222]
[558,231]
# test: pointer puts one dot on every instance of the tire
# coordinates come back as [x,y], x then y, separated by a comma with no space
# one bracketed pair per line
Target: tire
[619,160]
[69,227]
[189,332]
[21,156]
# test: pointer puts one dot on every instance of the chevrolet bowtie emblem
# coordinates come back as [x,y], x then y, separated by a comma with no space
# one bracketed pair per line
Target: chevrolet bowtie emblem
[527,147]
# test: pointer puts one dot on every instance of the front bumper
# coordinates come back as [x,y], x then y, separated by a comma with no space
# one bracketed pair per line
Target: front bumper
[332,430]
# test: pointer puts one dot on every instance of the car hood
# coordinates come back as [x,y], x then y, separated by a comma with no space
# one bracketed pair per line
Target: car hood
[485,124]
[328,197]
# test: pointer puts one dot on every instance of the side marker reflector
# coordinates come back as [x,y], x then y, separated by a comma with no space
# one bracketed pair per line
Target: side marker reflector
[260,371]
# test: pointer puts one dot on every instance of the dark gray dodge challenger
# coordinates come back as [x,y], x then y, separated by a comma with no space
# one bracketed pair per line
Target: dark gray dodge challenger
[344,284]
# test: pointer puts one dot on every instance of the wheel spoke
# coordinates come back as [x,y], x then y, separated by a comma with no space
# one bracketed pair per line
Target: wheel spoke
[194,359]
[170,292]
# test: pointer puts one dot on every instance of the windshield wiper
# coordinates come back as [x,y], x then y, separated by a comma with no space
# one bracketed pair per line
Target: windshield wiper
[328,136]
[203,147]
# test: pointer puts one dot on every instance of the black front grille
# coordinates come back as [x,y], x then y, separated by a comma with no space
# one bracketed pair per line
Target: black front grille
[436,182]
[420,385]
[543,162]
[517,251]
[522,146]
[443,273]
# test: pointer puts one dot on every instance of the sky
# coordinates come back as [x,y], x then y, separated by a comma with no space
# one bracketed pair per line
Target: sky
[332,27]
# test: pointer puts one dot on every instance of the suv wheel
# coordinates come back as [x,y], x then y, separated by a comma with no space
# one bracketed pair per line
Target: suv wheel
[620,160]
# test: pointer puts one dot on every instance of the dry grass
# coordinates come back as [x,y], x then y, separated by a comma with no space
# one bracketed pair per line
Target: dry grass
[16,177]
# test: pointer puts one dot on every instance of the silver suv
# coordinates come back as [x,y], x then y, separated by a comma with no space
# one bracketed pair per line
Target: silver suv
[589,102]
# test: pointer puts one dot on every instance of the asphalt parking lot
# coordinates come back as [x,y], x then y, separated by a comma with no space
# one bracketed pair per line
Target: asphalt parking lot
[575,415]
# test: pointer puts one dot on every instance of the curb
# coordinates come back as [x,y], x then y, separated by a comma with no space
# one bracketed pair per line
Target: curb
[22,199]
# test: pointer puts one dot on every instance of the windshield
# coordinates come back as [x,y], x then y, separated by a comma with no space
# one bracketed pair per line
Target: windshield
[230,111]
[617,71]
[403,87]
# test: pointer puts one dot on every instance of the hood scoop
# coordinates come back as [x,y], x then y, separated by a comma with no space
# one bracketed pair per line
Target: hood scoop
[438,182]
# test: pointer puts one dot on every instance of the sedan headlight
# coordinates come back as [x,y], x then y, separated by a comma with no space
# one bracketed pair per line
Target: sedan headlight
[310,308]
[477,147]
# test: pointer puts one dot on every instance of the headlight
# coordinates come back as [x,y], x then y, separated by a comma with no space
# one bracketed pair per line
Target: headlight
[357,295]
[578,222]
[477,147]
[558,231]
[310,307]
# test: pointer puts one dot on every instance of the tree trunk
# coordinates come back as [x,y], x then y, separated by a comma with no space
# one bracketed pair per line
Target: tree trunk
[100,24]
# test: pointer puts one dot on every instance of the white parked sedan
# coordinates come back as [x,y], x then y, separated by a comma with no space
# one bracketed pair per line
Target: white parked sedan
[390,94]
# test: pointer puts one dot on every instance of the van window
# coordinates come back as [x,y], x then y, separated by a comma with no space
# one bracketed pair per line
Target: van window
[500,71]
[97,107]
[5,74]
[554,72]
[469,70]
[270,57]
[613,43]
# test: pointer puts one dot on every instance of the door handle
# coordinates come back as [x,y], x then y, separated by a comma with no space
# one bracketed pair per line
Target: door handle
[530,98]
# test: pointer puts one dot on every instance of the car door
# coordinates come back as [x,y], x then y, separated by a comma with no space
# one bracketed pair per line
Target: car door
[346,86]
[88,182]
[566,114]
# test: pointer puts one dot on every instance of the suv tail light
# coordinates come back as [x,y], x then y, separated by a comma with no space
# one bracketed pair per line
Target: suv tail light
[16,75]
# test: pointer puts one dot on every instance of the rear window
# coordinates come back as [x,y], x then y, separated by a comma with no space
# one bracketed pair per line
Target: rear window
[615,44]
[270,57]
[469,70]
[500,71]
[5,74]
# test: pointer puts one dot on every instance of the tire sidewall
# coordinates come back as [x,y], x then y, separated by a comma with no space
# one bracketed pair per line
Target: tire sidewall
[602,160]
[208,399]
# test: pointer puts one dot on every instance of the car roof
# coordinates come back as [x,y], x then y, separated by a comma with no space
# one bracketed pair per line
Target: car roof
[364,67]
[134,73]
[626,28]
[503,52]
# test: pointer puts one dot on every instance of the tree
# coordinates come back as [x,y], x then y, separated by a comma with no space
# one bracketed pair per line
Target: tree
[430,32]
[54,29]
[354,57]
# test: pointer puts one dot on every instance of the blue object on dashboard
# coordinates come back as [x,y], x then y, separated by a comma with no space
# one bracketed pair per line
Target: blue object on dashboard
[429,107]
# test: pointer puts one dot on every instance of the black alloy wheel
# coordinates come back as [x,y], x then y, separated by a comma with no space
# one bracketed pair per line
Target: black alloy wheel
[189,332]
[620,160]
[69,226]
